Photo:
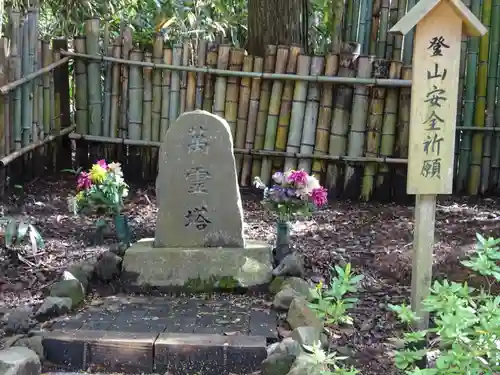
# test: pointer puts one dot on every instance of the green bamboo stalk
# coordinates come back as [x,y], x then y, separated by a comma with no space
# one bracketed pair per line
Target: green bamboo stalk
[362,27]
[243,109]
[375,25]
[408,39]
[388,138]
[265,96]
[383,32]
[374,127]
[273,113]
[253,111]
[93,76]
[325,115]
[394,43]
[355,20]
[175,84]
[57,110]
[479,118]
[220,81]
[338,14]
[147,99]
[186,47]
[135,95]
[7,101]
[211,62]
[233,88]
[157,88]
[106,107]
[115,93]
[298,111]
[201,57]
[359,115]
[15,74]
[26,92]
[311,114]
[496,158]
[398,40]
[40,91]
[165,94]
[191,80]
[126,37]
[468,117]
[367,27]
[81,101]
[340,118]
[494,33]
[404,105]
[33,48]
[349,21]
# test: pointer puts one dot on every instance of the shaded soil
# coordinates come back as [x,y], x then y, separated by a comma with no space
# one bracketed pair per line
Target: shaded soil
[376,238]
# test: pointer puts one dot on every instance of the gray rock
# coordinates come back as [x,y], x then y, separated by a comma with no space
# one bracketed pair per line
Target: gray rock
[33,342]
[119,248]
[68,288]
[199,203]
[53,306]
[291,265]
[299,285]
[286,346]
[19,361]
[108,266]
[307,335]
[284,298]
[277,364]
[18,321]
[300,314]
[275,285]
[82,271]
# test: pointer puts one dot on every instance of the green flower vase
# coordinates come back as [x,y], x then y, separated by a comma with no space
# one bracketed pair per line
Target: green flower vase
[282,246]
[122,229]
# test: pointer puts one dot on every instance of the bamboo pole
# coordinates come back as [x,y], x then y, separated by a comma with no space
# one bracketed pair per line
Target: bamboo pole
[126,38]
[40,91]
[263,76]
[115,94]
[298,112]
[93,76]
[367,27]
[286,105]
[311,114]
[243,109]
[397,52]
[26,93]
[57,110]
[487,179]
[15,74]
[221,82]
[186,48]
[338,15]
[265,96]
[392,44]
[273,113]
[479,118]
[232,90]
[175,84]
[325,115]
[211,63]
[374,127]
[408,39]
[253,111]
[191,82]
[468,118]
[388,138]
[80,73]
[157,88]
[340,118]
[106,107]
[200,79]
[165,94]
[384,22]
[364,8]
[496,148]
[136,96]
[359,115]
[147,100]
[375,25]
[344,159]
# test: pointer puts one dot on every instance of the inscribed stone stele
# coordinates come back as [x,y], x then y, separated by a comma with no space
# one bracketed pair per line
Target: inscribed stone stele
[199,203]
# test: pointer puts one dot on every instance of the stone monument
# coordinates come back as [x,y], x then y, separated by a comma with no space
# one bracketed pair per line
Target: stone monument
[199,243]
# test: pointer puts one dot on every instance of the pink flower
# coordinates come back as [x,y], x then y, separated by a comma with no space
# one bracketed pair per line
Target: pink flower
[83,181]
[299,178]
[319,196]
[102,163]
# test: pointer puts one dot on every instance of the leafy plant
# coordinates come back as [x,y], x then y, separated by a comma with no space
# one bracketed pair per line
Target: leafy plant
[331,304]
[325,363]
[16,232]
[467,322]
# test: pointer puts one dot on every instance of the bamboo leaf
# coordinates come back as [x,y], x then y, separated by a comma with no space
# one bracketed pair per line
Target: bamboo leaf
[10,232]
[22,230]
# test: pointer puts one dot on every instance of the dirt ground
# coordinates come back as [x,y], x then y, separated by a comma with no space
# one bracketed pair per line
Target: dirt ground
[376,238]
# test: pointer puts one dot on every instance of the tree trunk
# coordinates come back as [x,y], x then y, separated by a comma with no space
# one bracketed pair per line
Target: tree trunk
[276,22]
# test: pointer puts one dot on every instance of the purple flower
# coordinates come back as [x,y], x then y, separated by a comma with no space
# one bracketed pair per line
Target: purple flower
[83,182]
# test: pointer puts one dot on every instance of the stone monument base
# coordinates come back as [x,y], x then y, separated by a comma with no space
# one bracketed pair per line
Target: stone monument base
[197,269]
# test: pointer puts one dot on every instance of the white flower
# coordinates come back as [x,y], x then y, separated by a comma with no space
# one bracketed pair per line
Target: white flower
[258,183]
[312,183]
[115,168]
[279,178]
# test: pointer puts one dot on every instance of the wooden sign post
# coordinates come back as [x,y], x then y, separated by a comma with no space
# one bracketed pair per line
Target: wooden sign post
[436,61]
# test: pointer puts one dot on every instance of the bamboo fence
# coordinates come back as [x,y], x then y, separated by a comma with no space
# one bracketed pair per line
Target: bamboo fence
[34,106]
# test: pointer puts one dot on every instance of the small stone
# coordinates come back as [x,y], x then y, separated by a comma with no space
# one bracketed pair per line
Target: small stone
[52,307]
[306,335]
[18,321]
[82,271]
[300,314]
[287,346]
[108,266]
[68,288]
[291,265]
[19,361]
[275,285]
[277,364]
[284,298]
[34,342]
[119,248]
[299,285]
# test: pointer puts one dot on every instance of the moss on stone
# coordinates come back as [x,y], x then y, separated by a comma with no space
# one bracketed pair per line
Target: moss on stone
[211,284]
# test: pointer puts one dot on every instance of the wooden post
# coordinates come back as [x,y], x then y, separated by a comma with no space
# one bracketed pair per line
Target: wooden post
[436,61]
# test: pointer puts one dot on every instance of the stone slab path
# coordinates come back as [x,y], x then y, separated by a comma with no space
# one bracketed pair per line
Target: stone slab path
[220,334]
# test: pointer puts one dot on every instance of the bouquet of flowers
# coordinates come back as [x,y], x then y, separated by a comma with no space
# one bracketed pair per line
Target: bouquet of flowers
[294,193]
[101,189]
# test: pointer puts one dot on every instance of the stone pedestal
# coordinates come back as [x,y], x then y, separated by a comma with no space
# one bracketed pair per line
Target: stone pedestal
[197,269]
